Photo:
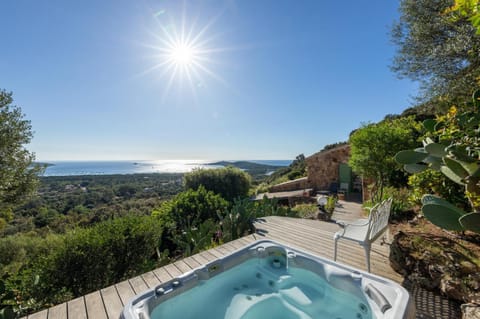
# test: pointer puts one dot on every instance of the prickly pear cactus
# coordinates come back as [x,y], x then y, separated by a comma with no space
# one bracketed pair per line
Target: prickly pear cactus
[453,148]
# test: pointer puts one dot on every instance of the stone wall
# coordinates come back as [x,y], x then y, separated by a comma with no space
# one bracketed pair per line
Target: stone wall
[299,183]
[322,167]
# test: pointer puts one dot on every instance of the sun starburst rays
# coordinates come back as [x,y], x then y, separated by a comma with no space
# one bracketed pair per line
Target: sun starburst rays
[183,54]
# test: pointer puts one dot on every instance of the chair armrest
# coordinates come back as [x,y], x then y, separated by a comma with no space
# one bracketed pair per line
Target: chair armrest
[358,222]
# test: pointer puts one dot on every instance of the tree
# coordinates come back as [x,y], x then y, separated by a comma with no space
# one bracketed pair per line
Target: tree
[436,49]
[18,175]
[229,182]
[373,147]
[469,9]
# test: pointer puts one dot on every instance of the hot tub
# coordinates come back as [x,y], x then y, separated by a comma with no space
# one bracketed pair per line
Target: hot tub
[270,280]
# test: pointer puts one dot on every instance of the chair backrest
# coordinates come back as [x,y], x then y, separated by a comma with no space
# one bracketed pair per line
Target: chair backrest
[333,187]
[378,219]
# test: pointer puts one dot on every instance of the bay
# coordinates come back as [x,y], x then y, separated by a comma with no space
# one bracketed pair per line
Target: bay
[71,168]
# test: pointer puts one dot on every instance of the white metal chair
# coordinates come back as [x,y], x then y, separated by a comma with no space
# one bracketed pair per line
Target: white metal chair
[344,188]
[366,231]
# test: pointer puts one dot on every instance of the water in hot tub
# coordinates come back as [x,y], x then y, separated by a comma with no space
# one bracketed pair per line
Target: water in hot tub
[254,290]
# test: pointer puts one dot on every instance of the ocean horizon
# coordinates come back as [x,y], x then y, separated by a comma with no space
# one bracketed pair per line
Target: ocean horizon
[72,168]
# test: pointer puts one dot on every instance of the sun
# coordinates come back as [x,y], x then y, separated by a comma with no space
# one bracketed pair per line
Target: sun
[183,54]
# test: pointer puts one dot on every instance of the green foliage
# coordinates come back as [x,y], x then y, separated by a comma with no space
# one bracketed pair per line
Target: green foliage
[373,147]
[442,213]
[109,252]
[18,174]
[229,182]
[65,202]
[238,221]
[331,203]
[271,207]
[7,297]
[192,207]
[185,216]
[469,9]
[453,148]
[305,210]
[194,239]
[257,171]
[50,270]
[438,51]
[401,202]
[297,169]
[334,145]
[21,249]
[434,182]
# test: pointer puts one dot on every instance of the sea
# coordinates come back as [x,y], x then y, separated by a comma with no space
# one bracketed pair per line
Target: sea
[70,168]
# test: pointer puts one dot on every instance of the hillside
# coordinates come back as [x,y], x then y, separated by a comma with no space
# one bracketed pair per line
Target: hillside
[258,171]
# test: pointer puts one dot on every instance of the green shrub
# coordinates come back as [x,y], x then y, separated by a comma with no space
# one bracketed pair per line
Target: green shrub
[191,207]
[229,182]
[261,188]
[305,210]
[401,204]
[197,238]
[45,271]
[295,170]
[373,147]
[270,207]
[434,182]
[184,214]
[92,258]
[331,203]
[238,221]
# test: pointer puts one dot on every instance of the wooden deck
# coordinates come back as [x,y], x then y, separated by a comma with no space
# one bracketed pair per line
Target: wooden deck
[310,235]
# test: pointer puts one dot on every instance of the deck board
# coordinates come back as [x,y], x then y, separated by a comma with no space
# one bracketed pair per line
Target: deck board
[216,252]
[58,312]
[313,236]
[95,306]
[182,266]
[125,291]
[173,271]
[162,274]
[201,259]
[138,284]
[112,302]
[150,279]
[39,315]
[192,263]
[76,309]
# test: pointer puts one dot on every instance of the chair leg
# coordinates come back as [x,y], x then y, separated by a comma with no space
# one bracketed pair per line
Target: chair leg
[335,250]
[367,255]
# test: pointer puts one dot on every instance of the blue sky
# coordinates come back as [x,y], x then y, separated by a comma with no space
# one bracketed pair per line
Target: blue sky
[272,78]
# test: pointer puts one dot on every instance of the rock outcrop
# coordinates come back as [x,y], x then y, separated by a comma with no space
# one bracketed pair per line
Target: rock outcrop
[438,263]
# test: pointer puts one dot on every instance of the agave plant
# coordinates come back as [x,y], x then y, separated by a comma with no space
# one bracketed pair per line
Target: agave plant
[452,148]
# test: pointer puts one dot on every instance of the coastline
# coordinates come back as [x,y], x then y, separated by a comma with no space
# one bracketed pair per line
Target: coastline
[88,168]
